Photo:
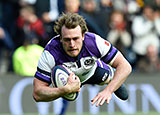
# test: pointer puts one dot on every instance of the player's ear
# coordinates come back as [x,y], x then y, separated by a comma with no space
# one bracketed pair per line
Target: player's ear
[82,36]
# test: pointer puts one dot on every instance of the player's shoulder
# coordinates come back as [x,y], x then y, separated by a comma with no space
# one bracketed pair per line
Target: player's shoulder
[89,36]
[55,40]
[89,39]
[92,38]
[54,48]
[53,43]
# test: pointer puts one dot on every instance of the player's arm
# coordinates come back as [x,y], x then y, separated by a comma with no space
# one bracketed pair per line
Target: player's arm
[113,57]
[110,55]
[123,69]
[42,91]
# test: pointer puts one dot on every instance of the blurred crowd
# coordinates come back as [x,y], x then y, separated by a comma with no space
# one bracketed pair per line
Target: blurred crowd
[133,26]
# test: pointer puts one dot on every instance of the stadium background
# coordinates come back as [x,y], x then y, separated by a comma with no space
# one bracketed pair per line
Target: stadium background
[16,97]
[16,91]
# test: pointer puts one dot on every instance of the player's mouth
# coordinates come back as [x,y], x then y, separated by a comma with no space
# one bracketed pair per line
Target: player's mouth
[72,50]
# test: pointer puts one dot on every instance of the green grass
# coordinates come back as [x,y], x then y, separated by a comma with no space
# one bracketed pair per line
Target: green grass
[118,113]
[104,113]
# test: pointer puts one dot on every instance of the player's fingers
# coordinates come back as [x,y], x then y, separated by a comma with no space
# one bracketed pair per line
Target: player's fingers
[99,101]
[74,77]
[94,100]
[108,100]
[71,75]
[77,78]
[78,81]
[103,100]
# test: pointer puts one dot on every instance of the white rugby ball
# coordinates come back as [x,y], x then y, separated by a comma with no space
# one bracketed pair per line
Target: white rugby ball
[59,77]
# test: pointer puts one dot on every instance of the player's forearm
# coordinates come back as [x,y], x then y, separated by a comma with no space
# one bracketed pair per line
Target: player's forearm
[42,92]
[118,79]
[123,69]
[47,94]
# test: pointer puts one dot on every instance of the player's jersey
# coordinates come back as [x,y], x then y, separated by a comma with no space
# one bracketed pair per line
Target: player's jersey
[95,50]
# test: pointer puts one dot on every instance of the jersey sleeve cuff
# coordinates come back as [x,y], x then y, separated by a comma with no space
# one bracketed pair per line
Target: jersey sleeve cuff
[42,77]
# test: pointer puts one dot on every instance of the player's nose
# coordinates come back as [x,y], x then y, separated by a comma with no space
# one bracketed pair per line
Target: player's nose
[72,43]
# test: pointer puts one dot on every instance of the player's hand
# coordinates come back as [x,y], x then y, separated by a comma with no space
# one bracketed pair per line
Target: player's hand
[101,97]
[73,83]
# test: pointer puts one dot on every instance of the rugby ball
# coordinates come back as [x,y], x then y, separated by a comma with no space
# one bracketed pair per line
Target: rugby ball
[59,76]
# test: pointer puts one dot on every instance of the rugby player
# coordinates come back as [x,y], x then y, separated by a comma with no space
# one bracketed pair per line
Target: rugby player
[91,58]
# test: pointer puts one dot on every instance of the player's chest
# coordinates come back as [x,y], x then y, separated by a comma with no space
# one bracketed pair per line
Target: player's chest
[83,65]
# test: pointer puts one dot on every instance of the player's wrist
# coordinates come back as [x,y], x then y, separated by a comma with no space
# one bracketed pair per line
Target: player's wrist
[109,89]
[67,89]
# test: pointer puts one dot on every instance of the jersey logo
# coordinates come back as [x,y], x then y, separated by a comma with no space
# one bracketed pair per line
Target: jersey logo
[106,43]
[105,77]
[88,62]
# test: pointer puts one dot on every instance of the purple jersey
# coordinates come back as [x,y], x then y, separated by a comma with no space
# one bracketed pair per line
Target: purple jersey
[95,52]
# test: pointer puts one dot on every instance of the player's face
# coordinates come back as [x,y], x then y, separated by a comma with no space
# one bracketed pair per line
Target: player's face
[72,40]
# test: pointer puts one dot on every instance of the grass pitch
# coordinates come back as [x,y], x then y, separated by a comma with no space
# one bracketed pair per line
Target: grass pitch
[102,113]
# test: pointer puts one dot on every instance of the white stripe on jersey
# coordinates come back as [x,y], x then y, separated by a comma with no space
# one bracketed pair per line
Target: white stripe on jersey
[100,62]
[102,47]
[46,61]
[114,58]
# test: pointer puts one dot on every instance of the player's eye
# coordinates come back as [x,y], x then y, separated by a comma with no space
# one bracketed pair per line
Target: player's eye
[76,38]
[66,39]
